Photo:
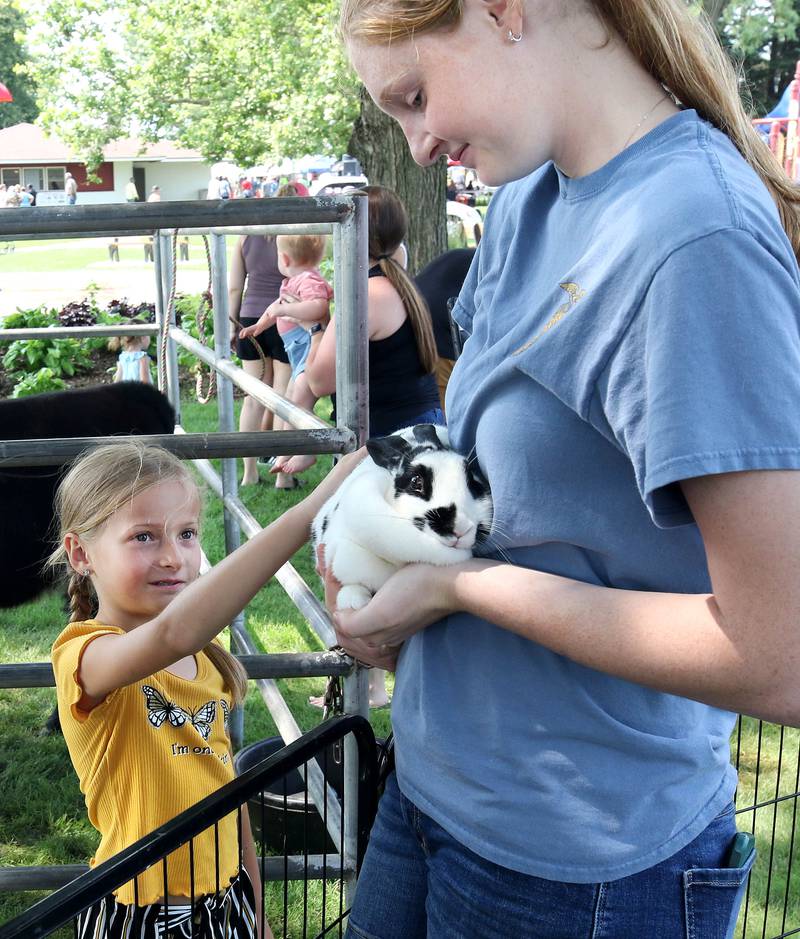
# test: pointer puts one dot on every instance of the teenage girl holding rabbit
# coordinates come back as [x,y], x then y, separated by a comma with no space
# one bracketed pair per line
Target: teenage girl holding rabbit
[631,389]
[145,690]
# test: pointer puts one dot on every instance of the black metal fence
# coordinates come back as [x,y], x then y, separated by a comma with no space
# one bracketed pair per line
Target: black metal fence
[767,757]
[304,877]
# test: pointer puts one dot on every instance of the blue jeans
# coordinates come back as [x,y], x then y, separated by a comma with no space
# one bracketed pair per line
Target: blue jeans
[417,882]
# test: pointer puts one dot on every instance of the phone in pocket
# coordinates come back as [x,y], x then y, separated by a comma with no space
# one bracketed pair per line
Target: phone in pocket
[741,848]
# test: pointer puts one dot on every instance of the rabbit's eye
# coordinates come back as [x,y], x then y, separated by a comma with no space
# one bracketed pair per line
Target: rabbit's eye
[417,484]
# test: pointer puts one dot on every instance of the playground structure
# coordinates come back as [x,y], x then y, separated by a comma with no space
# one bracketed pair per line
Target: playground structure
[781,130]
[347,819]
[767,805]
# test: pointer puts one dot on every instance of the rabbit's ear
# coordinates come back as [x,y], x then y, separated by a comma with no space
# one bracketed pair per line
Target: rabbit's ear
[426,434]
[389,452]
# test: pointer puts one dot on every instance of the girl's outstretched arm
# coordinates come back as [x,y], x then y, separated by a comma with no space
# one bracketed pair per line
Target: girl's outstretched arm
[206,606]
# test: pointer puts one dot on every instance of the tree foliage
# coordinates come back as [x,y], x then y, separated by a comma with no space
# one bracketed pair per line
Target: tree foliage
[12,57]
[230,80]
[763,36]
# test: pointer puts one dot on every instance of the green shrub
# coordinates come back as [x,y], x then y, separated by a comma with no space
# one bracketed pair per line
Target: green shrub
[63,356]
[36,318]
[38,382]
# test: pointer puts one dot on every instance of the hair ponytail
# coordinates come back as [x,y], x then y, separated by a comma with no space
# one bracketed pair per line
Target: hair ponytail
[233,673]
[680,49]
[388,224]
[417,310]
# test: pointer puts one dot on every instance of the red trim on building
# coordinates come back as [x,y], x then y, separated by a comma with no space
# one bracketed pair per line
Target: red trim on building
[105,171]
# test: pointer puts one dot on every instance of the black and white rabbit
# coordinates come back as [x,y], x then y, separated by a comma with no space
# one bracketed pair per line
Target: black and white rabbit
[413,499]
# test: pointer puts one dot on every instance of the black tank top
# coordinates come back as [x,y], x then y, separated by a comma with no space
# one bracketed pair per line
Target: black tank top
[399,388]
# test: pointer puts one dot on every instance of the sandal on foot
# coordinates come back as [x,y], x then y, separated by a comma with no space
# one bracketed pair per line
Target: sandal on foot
[296,484]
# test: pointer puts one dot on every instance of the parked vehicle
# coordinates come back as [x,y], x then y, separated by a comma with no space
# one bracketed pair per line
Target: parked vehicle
[463,225]
[328,184]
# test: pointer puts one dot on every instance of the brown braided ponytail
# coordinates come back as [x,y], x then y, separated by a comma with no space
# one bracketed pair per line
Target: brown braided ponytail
[99,483]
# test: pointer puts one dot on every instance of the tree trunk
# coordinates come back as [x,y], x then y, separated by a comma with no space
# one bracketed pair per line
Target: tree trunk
[379,145]
[714,9]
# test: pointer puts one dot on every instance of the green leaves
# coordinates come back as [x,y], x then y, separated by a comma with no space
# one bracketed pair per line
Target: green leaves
[230,80]
[45,379]
[13,56]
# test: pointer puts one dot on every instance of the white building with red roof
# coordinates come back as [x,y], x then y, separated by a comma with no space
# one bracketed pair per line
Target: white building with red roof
[28,155]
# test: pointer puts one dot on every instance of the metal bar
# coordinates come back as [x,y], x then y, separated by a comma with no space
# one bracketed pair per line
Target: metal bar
[356,701]
[151,216]
[316,228]
[168,275]
[290,731]
[270,665]
[74,332]
[284,408]
[222,352]
[59,875]
[161,306]
[58,450]
[352,335]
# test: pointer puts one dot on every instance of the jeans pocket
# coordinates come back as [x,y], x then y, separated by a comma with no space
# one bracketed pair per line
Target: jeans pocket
[712,897]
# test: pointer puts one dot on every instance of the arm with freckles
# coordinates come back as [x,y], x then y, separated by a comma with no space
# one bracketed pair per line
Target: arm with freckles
[206,606]
[738,648]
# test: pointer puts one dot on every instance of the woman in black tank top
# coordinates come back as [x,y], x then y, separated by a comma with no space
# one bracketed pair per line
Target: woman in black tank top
[402,350]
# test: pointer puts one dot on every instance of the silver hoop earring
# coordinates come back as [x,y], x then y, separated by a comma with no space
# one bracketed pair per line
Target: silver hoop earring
[514,38]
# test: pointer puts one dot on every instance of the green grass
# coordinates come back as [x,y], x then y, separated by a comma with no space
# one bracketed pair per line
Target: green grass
[43,818]
[80,254]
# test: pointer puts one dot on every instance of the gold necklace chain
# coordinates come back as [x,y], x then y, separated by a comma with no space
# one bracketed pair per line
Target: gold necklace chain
[649,114]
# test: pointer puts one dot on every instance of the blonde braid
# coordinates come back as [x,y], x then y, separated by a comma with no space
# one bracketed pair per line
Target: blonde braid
[81,599]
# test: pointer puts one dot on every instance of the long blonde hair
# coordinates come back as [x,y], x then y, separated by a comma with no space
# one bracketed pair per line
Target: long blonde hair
[97,485]
[388,224]
[677,46]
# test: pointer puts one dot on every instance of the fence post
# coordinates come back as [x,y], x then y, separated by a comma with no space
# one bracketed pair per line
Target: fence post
[227,423]
[350,259]
[162,245]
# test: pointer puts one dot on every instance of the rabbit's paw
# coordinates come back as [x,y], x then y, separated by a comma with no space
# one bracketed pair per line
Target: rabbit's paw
[353,597]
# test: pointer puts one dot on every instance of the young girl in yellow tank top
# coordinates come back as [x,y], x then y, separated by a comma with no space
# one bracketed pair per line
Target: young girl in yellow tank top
[145,690]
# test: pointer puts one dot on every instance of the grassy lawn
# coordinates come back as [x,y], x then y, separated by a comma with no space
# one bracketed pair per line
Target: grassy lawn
[78,254]
[42,815]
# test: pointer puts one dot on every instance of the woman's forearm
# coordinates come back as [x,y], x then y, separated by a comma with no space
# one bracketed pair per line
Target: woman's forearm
[675,643]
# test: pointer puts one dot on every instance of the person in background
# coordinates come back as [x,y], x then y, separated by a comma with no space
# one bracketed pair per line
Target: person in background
[33,193]
[440,283]
[304,302]
[133,363]
[70,188]
[254,264]
[155,194]
[3,195]
[131,192]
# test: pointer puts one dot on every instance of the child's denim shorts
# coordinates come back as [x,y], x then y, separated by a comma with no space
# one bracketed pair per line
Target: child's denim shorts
[297,342]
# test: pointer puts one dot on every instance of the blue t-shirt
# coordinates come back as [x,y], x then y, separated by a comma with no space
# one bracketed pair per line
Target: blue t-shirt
[629,329]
